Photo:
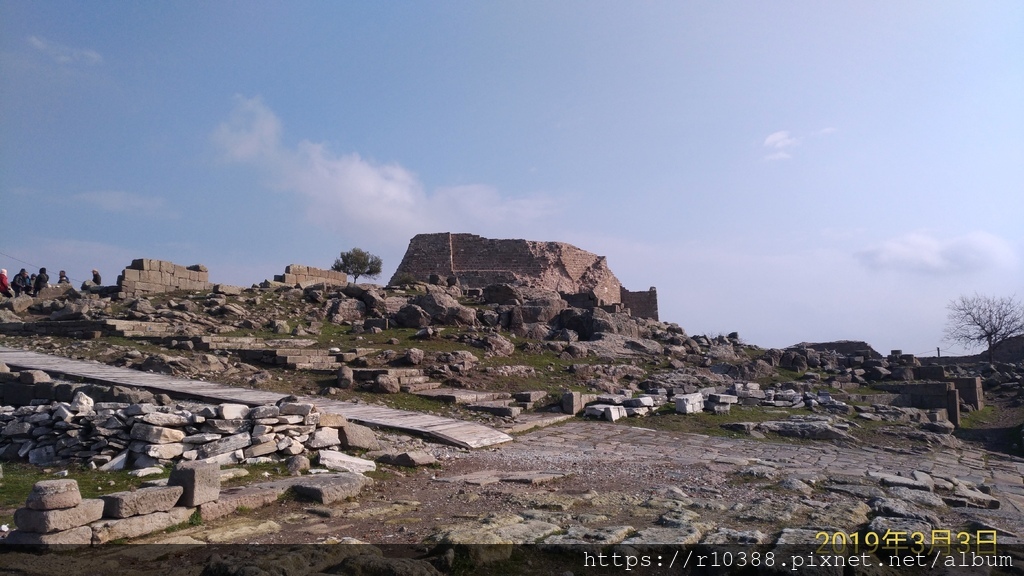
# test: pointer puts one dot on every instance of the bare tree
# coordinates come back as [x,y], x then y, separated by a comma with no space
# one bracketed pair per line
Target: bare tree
[358,262]
[976,320]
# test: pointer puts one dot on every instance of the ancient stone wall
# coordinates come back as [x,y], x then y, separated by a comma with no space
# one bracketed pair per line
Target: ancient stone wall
[642,303]
[479,262]
[146,276]
[307,275]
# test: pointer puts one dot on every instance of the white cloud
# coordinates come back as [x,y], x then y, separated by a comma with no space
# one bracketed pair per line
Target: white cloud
[349,193]
[780,139]
[776,142]
[66,55]
[922,252]
[117,201]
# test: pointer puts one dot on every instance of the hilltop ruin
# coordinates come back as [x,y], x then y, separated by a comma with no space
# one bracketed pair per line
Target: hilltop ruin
[478,262]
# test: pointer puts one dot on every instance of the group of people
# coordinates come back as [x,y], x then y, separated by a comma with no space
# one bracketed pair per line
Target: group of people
[32,285]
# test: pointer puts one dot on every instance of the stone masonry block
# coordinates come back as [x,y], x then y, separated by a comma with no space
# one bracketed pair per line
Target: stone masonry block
[109,530]
[200,481]
[54,495]
[48,521]
[142,501]
[81,536]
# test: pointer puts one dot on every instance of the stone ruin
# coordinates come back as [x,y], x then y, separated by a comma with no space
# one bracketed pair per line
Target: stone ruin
[303,276]
[145,276]
[478,262]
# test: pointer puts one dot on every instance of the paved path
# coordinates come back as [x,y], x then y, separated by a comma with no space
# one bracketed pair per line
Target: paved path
[457,432]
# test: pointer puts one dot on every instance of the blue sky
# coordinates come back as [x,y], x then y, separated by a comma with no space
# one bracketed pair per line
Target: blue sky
[793,170]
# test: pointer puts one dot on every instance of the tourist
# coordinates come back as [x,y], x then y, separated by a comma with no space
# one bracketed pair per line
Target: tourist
[62,278]
[5,286]
[20,284]
[96,277]
[42,280]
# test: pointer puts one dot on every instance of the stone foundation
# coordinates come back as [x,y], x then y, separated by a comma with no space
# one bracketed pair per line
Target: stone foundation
[297,274]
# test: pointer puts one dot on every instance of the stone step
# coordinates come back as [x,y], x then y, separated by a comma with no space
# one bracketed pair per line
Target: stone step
[372,373]
[356,353]
[497,407]
[315,366]
[459,396]
[420,386]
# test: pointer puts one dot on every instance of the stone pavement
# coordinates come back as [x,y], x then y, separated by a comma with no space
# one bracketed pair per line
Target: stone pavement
[603,444]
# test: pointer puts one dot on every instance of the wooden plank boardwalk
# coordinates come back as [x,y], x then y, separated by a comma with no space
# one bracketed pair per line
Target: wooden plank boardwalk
[450,430]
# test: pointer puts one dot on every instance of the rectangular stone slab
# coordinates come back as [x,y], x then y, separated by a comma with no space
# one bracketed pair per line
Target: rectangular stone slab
[48,521]
[330,489]
[142,501]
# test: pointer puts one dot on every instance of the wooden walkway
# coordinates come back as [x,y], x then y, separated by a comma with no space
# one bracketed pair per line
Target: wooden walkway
[457,432]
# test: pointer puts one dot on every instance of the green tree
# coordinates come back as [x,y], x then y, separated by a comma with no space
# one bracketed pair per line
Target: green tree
[976,320]
[358,262]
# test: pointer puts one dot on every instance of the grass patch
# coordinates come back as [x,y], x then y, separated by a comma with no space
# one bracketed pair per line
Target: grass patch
[977,418]
[19,478]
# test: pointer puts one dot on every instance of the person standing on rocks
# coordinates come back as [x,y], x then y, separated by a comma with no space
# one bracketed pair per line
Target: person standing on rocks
[62,278]
[5,285]
[96,277]
[42,281]
[20,284]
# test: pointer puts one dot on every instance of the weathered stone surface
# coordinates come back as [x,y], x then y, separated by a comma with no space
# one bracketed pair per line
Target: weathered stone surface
[332,420]
[297,464]
[135,526]
[367,564]
[47,521]
[323,438]
[164,451]
[340,461]
[225,445]
[34,377]
[329,489]
[296,408]
[358,437]
[232,411]
[141,501]
[81,536]
[155,434]
[53,495]
[164,419]
[408,459]
[200,481]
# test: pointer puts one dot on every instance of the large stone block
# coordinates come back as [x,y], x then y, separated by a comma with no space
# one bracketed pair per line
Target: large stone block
[332,420]
[81,536]
[142,501]
[133,527]
[358,437]
[155,434]
[572,403]
[53,495]
[324,438]
[225,445]
[333,488]
[48,521]
[689,403]
[200,481]
[340,461]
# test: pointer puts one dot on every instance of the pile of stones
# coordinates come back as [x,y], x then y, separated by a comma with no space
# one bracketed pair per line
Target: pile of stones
[118,435]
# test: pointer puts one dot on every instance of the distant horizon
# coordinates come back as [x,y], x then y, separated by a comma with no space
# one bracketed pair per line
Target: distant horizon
[794,172]
[959,352]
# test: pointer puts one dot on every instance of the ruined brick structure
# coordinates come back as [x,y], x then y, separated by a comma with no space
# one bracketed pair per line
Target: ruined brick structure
[303,275]
[478,262]
[145,276]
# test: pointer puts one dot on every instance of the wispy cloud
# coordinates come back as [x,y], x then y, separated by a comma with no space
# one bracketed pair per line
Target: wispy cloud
[923,252]
[65,55]
[117,201]
[346,192]
[777,143]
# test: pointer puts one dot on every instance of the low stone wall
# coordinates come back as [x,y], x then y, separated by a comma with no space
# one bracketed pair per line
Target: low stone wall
[297,274]
[927,395]
[47,423]
[146,276]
